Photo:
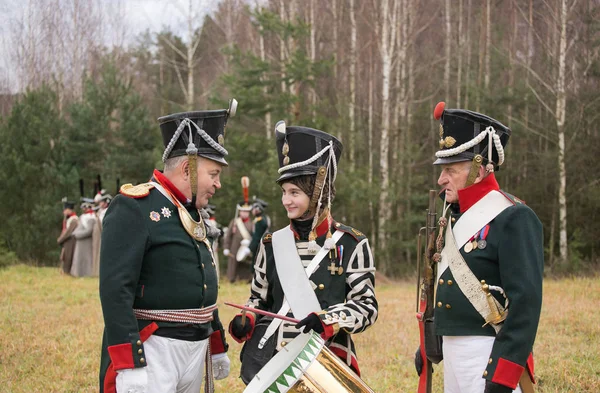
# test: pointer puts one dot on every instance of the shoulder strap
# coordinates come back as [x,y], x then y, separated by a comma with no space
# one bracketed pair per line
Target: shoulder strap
[481,213]
[242,228]
[466,280]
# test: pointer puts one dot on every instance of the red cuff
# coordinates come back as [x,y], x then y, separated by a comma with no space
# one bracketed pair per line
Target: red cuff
[121,355]
[217,343]
[250,316]
[507,373]
[329,331]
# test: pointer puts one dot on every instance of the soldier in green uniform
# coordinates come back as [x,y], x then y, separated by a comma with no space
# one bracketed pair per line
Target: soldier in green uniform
[260,225]
[158,279]
[489,290]
[324,269]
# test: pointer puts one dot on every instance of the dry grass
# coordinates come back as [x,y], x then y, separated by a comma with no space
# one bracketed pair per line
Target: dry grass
[50,333]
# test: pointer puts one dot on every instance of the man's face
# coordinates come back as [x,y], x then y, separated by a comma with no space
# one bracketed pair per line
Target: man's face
[244,214]
[209,180]
[453,178]
[67,212]
[103,204]
[255,211]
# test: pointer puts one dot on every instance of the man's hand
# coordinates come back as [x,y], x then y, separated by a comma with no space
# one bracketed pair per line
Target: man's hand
[132,380]
[492,387]
[220,365]
[245,242]
[226,252]
[311,322]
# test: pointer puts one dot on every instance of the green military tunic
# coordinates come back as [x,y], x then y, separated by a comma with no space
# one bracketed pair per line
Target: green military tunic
[148,261]
[261,224]
[513,260]
[346,295]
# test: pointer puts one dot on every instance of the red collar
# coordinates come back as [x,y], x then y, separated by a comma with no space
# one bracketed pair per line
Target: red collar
[166,183]
[88,211]
[73,214]
[467,197]
[245,219]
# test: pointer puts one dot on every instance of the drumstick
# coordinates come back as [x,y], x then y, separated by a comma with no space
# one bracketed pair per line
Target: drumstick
[243,317]
[261,312]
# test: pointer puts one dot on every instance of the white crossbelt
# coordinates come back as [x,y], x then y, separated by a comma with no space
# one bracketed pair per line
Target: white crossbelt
[294,279]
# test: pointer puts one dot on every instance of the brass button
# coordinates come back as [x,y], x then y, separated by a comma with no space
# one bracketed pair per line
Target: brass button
[337,224]
[142,360]
[205,286]
[441,281]
[139,343]
[202,266]
[453,219]
[450,282]
[485,373]
[448,306]
[343,316]
[283,343]
[140,351]
[490,361]
[321,287]
[439,304]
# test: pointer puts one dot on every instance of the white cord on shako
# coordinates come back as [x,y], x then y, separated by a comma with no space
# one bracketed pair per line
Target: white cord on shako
[492,135]
[191,149]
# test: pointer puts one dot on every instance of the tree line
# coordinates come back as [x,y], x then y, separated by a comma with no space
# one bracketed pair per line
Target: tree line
[370,72]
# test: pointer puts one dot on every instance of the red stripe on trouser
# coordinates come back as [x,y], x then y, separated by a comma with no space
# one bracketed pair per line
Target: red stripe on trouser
[110,378]
[340,353]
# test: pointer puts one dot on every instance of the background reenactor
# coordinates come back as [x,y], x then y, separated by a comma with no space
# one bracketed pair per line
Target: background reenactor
[83,258]
[239,234]
[66,239]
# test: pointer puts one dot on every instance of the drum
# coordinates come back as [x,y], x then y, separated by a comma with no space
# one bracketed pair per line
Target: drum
[306,365]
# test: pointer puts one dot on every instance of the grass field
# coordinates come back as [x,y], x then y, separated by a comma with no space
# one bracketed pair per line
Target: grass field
[51,327]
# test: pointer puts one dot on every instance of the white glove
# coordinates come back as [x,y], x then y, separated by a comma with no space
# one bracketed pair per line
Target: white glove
[242,253]
[245,242]
[132,380]
[226,252]
[220,365]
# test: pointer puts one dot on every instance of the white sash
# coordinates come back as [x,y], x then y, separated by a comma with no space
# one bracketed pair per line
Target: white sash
[294,279]
[242,228]
[479,215]
[468,283]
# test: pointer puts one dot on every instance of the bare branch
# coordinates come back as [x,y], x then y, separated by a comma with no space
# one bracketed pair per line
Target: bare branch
[540,100]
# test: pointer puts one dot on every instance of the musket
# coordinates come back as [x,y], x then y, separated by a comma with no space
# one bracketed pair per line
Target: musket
[262,312]
[425,293]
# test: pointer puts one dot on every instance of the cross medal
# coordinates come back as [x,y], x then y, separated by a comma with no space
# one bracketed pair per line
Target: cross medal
[333,269]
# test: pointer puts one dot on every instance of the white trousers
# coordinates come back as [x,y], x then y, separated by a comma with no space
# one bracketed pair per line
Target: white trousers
[174,366]
[465,360]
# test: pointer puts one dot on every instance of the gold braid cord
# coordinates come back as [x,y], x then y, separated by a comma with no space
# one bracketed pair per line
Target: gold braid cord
[193,167]
[316,194]
[475,164]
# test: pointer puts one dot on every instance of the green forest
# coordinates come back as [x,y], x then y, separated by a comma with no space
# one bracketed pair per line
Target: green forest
[369,72]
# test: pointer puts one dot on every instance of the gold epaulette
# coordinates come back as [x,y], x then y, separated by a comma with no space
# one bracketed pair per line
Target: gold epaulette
[139,191]
[257,219]
[356,234]
[267,238]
